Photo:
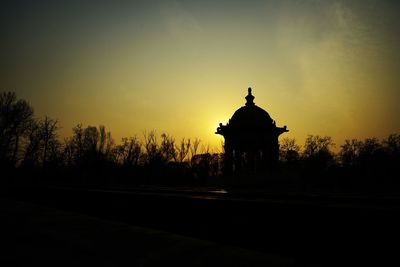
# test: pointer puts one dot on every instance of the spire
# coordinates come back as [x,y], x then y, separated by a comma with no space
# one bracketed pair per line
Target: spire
[249,98]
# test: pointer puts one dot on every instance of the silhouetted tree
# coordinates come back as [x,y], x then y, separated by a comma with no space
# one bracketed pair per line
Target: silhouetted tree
[201,165]
[51,144]
[289,150]
[129,151]
[317,150]
[215,164]
[74,146]
[183,149]
[106,145]
[33,145]
[89,147]
[167,149]
[42,144]
[194,148]
[350,152]
[26,142]
[392,145]
[152,152]
[15,119]
[371,152]
[207,165]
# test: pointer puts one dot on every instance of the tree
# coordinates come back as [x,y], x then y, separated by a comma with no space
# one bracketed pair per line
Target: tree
[318,150]
[42,144]
[350,152]
[51,145]
[371,152]
[15,119]
[289,150]
[32,146]
[129,151]
[206,164]
[183,149]
[89,146]
[105,145]
[168,149]
[392,144]
[153,155]
[194,148]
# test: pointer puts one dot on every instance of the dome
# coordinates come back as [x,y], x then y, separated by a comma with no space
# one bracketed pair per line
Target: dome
[250,116]
[251,140]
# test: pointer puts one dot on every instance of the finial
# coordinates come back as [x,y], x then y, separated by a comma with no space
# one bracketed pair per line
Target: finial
[249,98]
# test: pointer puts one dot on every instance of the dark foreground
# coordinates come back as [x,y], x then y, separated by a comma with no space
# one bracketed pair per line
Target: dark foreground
[34,235]
[296,229]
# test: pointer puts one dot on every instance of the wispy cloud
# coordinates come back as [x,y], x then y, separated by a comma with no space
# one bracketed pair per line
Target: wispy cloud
[179,22]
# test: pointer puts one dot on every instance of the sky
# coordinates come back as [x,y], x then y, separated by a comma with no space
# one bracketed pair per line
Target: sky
[182,67]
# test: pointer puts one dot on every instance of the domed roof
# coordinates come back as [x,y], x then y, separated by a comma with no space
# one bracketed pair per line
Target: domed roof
[250,116]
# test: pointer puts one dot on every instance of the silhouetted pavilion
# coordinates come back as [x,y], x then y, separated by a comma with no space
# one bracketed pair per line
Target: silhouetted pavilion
[251,139]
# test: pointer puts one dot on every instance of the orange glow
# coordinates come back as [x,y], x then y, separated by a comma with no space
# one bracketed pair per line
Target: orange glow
[327,68]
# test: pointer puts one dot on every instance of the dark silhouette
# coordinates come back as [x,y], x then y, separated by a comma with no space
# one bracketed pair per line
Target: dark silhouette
[15,119]
[314,205]
[42,147]
[289,151]
[30,150]
[251,139]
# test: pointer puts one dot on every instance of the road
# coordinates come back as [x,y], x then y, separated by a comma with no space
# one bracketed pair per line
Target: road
[313,229]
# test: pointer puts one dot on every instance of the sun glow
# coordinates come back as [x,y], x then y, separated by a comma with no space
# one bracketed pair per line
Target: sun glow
[319,67]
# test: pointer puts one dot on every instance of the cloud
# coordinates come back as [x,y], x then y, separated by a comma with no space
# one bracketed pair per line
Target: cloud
[179,22]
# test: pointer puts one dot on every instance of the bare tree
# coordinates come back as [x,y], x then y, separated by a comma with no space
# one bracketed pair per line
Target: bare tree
[151,147]
[129,151]
[167,148]
[76,144]
[317,144]
[371,151]
[392,144]
[350,152]
[90,146]
[289,150]
[110,144]
[90,139]
[205,149]
[194,148]
[32,145]
[48,129]
[102,139]
[183,149]
[318,150]
[69,152]
[15,119]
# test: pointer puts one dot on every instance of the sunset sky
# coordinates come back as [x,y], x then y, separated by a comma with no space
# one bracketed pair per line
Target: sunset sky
[181,67]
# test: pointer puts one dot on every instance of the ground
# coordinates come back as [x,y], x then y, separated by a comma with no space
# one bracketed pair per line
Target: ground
[36,235]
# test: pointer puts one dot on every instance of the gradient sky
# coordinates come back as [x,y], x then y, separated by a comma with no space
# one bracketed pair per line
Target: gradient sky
[181,67]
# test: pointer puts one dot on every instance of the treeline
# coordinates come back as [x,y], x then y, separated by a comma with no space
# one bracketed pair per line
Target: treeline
[31,147]
[353,153]
[369,165]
